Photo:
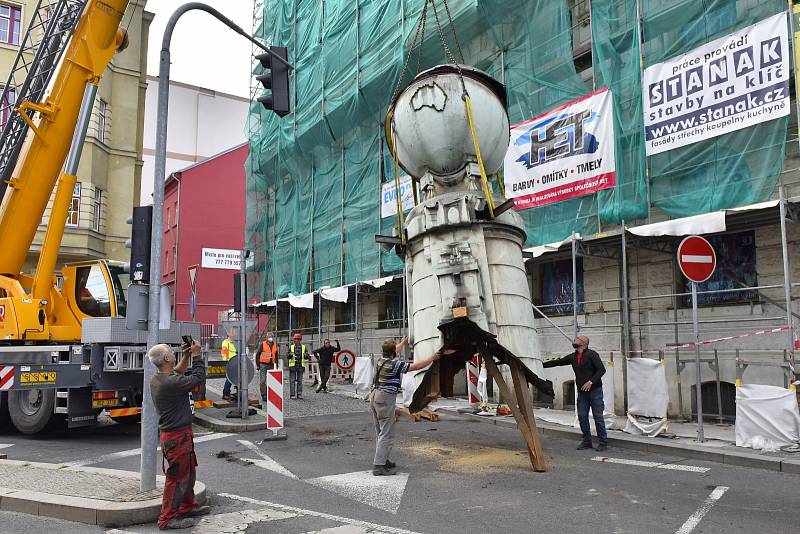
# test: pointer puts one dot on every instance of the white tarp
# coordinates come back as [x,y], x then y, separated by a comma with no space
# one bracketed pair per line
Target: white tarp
[757,206]
[647,397]
[363,373]
[335,294]
[379,282]
[544,249]
[409,385]
[707,223]
[272,303]
[565,153]
[301,301]
[731,83]
[766,417]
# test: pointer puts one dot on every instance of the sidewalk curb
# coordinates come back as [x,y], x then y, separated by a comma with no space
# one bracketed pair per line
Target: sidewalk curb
[233,426]
[82,509]
[655,445]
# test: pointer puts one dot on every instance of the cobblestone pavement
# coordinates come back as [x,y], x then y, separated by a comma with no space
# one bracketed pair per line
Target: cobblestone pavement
[340,401]
[78,483]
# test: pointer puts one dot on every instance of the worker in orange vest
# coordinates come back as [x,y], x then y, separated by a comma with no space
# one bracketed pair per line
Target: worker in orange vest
[268,359]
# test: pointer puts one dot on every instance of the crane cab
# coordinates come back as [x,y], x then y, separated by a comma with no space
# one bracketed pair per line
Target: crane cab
[80,291]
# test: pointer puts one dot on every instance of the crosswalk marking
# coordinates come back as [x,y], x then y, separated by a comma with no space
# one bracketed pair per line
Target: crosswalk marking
[656,465]
[371,527]
[265,462]
[135,452]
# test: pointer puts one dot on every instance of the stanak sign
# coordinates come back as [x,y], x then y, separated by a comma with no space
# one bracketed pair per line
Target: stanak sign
[565,153]
[728,84]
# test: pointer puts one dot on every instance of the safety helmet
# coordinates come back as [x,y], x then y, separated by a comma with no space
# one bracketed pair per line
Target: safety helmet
[297,337]
[270,339]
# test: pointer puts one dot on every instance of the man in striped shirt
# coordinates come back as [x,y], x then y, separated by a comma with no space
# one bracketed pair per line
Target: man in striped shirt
[382,400]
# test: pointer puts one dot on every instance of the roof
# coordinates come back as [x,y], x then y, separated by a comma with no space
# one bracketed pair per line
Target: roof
[206,160]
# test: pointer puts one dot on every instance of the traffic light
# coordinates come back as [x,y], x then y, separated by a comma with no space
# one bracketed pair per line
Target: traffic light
[275,77]
[141,230]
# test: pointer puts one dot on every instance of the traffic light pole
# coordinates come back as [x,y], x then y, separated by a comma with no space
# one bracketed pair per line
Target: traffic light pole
[149,432]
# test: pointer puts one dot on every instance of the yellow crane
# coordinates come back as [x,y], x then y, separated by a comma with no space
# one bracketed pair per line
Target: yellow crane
[37,308]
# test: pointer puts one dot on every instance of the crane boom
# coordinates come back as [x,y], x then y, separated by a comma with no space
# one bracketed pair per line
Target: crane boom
[95,40]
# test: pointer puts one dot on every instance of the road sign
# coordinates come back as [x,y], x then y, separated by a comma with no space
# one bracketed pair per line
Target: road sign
[274,399]
[696,258]
[345,359]
[235,376]
[193,296]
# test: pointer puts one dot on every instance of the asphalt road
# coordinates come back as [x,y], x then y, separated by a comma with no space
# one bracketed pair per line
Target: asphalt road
[455,476]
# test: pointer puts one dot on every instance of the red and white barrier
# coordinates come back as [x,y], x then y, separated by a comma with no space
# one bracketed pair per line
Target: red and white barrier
[6,377]
[472,382]
[275,400]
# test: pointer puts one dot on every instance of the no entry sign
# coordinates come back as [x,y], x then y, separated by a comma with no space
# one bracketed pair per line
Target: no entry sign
[696,258]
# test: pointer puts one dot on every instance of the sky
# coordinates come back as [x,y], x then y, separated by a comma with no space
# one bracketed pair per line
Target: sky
[205,52]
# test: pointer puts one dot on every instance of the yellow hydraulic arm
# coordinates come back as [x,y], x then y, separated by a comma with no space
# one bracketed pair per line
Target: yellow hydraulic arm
[58,133]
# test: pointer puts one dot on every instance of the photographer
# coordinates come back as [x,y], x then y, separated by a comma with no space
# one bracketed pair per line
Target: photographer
[170,389]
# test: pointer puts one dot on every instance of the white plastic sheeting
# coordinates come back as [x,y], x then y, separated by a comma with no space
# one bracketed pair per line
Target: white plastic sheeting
[408,386]
[698,224]
[766,417]
[379,282]
[335,294]
[363,373]
[301,301]
[543,249]
[647,397]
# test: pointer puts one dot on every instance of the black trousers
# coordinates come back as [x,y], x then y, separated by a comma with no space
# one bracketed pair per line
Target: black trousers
[324,375]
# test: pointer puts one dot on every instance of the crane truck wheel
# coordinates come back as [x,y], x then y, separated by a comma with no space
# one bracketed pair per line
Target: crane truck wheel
[31,410]
[4,418]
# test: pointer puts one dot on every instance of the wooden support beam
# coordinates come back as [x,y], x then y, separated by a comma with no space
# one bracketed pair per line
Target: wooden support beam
[525,402]
[531,439]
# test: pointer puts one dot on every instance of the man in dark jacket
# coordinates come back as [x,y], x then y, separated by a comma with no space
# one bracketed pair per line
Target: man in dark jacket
[324,356]
[588,369]
[170,389]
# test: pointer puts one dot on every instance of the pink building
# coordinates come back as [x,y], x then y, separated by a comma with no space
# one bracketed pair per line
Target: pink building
[204,218]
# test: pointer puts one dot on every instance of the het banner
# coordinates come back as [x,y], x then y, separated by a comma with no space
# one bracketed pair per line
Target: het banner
[565,153]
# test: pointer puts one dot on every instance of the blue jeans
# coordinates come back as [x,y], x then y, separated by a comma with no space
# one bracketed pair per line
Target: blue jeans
[594,399]
[296,381]
[226,389]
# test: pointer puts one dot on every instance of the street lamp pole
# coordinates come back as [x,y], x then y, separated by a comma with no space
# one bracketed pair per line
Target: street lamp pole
[149,431]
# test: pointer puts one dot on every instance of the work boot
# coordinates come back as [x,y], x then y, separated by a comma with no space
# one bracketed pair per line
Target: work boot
[291,396]
[602,447]
[390,464]
[583,446]
[178,523]
[198,511]
[319,389]
[382,471]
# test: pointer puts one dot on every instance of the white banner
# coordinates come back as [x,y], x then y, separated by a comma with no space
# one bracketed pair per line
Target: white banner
[565,153]
[221,258]
[389,198]
[731,83]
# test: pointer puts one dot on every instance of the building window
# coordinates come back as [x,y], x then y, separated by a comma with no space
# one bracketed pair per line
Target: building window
[390,311]
[736,268]
[97,208]
[102,119]
[344,316]
[7,105]
[74,212]
[555,286]
[10,24]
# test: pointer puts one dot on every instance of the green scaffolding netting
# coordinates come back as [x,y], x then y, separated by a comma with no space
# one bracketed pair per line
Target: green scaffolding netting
[314,177]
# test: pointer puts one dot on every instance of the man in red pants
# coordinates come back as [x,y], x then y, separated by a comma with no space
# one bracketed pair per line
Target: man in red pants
[170,389]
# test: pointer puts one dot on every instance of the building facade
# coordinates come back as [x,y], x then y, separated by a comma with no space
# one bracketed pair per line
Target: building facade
[202,123]
[109,175]
[203,209]
[601,264]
